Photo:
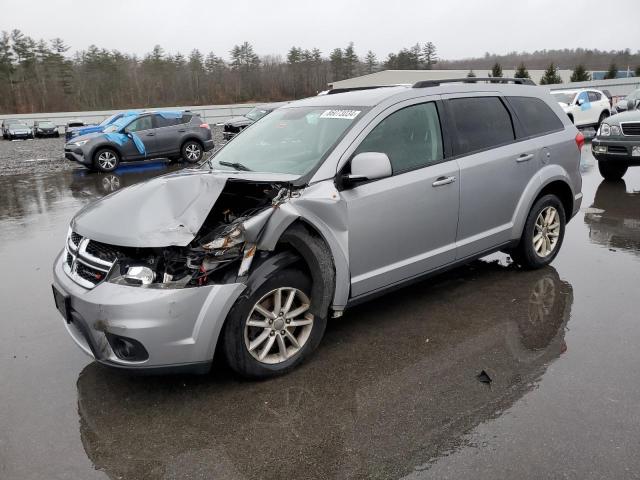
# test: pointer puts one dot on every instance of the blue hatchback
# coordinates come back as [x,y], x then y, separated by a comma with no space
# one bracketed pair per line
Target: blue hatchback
[79,131]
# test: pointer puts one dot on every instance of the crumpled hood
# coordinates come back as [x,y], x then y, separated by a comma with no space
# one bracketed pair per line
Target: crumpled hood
[161,212]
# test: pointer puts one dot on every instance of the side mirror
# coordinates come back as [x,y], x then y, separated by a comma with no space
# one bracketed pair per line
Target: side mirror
[580,101]
[369,166]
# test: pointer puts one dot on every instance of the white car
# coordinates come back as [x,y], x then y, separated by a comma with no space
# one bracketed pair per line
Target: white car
[585,107]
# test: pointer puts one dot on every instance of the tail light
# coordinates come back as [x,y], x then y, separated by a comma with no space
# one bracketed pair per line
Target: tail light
[205,125]
[579,140]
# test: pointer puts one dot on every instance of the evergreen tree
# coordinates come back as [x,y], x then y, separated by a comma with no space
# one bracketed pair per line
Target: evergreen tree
[471,74]
[550,76]
[349,61]
[370,61]
[496,70]
[579,74]
[522,72]
[429,55]
[612,72]
[336,59]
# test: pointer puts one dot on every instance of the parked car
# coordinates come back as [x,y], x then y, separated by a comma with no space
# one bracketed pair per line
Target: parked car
[71,124]
[17,129]
[45,128]
[77,131]
[320,205]
[585,107]
[142,136]
[632,99]
[616,146]
[235,125]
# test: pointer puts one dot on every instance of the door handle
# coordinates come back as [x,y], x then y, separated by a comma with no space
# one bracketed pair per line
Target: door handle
[150,134]
[182,130]
[525,157]
[443,181]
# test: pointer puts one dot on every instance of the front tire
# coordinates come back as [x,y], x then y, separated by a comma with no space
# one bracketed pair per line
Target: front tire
[603,116]
[612,171]
[271,330]
[192,151]
[106,160]
[543,234]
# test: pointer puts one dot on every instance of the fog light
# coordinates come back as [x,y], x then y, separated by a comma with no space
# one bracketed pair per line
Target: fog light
[601,149]
[127,348]
[140,275]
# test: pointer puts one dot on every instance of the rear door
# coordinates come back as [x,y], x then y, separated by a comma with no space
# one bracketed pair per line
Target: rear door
[584,112]
[142,138]
[494,169]
[168,133]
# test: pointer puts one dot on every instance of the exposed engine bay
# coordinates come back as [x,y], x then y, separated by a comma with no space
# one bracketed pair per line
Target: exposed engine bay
[216,253]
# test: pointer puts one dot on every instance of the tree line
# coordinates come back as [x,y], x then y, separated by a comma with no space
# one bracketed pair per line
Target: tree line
[44,76]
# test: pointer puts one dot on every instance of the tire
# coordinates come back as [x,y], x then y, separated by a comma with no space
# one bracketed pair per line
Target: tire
[603,115]
[192,151]
[531,255]
[238,337]
[57,134]
[106,160]
[612,171]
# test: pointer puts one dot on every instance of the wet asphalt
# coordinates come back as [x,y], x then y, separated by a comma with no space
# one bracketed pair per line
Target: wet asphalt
[484,372]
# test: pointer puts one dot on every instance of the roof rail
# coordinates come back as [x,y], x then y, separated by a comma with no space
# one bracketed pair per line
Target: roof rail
[355,89]
[435,83]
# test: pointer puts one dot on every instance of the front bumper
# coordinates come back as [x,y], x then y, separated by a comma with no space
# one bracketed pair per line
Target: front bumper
[177,327]
[76,155]
[19,135]
[615,149]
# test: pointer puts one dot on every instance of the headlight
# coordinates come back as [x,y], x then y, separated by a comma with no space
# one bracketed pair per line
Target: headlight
[80,143]
[615,130]
[604,130]
[228,239]
[139,275]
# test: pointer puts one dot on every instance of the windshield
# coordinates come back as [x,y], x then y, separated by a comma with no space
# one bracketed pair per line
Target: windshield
[108,120]
[18,125]
[46,124]
[119,124]
[256,113]
[564,97]
[289,140]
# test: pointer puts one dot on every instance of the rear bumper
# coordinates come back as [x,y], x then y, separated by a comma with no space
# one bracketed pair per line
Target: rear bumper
[615,150]
[178,328]
[208,145]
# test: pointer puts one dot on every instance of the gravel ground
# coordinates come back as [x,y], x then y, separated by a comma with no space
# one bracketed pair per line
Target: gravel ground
[45,155]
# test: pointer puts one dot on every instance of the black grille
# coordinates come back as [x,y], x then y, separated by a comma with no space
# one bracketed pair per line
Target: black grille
[69,259]
[75,238]
[616,149]
[89,274]
[102,251]
[231,129]
[631,128]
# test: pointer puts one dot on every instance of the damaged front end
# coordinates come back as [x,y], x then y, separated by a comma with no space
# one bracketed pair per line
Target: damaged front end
[220,252]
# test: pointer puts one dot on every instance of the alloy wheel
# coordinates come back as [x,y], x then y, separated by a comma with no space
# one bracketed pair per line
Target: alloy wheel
[547,232]
[193,152]
[278,325]
[107,160]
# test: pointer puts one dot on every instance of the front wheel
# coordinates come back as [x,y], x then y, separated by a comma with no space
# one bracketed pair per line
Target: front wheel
[612,171]
[603,115]
[192,151]
[543,234]
[271,331]
[106,160]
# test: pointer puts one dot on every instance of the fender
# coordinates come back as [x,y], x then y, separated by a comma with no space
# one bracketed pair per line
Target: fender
[545,176]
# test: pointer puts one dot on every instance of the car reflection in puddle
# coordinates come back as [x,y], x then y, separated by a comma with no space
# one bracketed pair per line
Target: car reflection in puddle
[395,385]
[614,217]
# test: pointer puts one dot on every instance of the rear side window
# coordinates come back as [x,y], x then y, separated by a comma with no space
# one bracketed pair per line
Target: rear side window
[164,121]
[186,118]
[481,123]
[536,116]
[410,137]
[594,96]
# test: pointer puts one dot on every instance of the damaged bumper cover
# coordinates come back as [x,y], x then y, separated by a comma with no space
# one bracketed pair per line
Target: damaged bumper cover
[175,327]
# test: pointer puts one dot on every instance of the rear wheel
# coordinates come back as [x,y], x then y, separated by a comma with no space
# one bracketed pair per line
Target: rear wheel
[271,331]
[106,160]
[612,171]
[192,151]
[543,234]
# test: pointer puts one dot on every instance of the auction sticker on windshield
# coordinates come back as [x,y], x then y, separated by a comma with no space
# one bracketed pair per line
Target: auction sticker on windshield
[344,114]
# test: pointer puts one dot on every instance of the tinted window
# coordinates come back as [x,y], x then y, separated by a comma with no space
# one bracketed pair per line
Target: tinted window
[186,118]
[142,123]
[165,122]
[410,137]
[481,122]
[535,115]
[594,96]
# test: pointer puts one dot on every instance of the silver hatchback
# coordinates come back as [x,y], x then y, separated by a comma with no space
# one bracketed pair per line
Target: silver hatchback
[324,203]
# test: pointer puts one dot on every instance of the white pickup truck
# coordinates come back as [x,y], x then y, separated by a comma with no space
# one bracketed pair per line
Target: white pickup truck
[585,107]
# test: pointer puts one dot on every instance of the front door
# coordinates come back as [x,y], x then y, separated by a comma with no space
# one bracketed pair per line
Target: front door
[404,225]
[141,142]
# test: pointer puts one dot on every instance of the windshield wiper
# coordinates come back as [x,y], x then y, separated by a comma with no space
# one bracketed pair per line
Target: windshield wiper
[236,165]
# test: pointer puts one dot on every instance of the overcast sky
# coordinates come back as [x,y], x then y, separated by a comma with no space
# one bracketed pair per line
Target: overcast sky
[459,28]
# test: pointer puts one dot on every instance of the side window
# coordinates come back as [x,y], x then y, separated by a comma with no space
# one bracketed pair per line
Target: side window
[410,137]
[164,122]
[584,97]
[481,122]
[535,115]
[594,96]
[186,118]
[142,123]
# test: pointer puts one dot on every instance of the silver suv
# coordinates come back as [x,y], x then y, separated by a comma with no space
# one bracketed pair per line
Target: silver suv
[324,203]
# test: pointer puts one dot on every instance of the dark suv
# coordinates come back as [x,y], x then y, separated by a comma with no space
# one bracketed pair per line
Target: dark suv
[166,134]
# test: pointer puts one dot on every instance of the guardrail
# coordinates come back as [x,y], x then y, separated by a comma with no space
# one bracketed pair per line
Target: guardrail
[211,114]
